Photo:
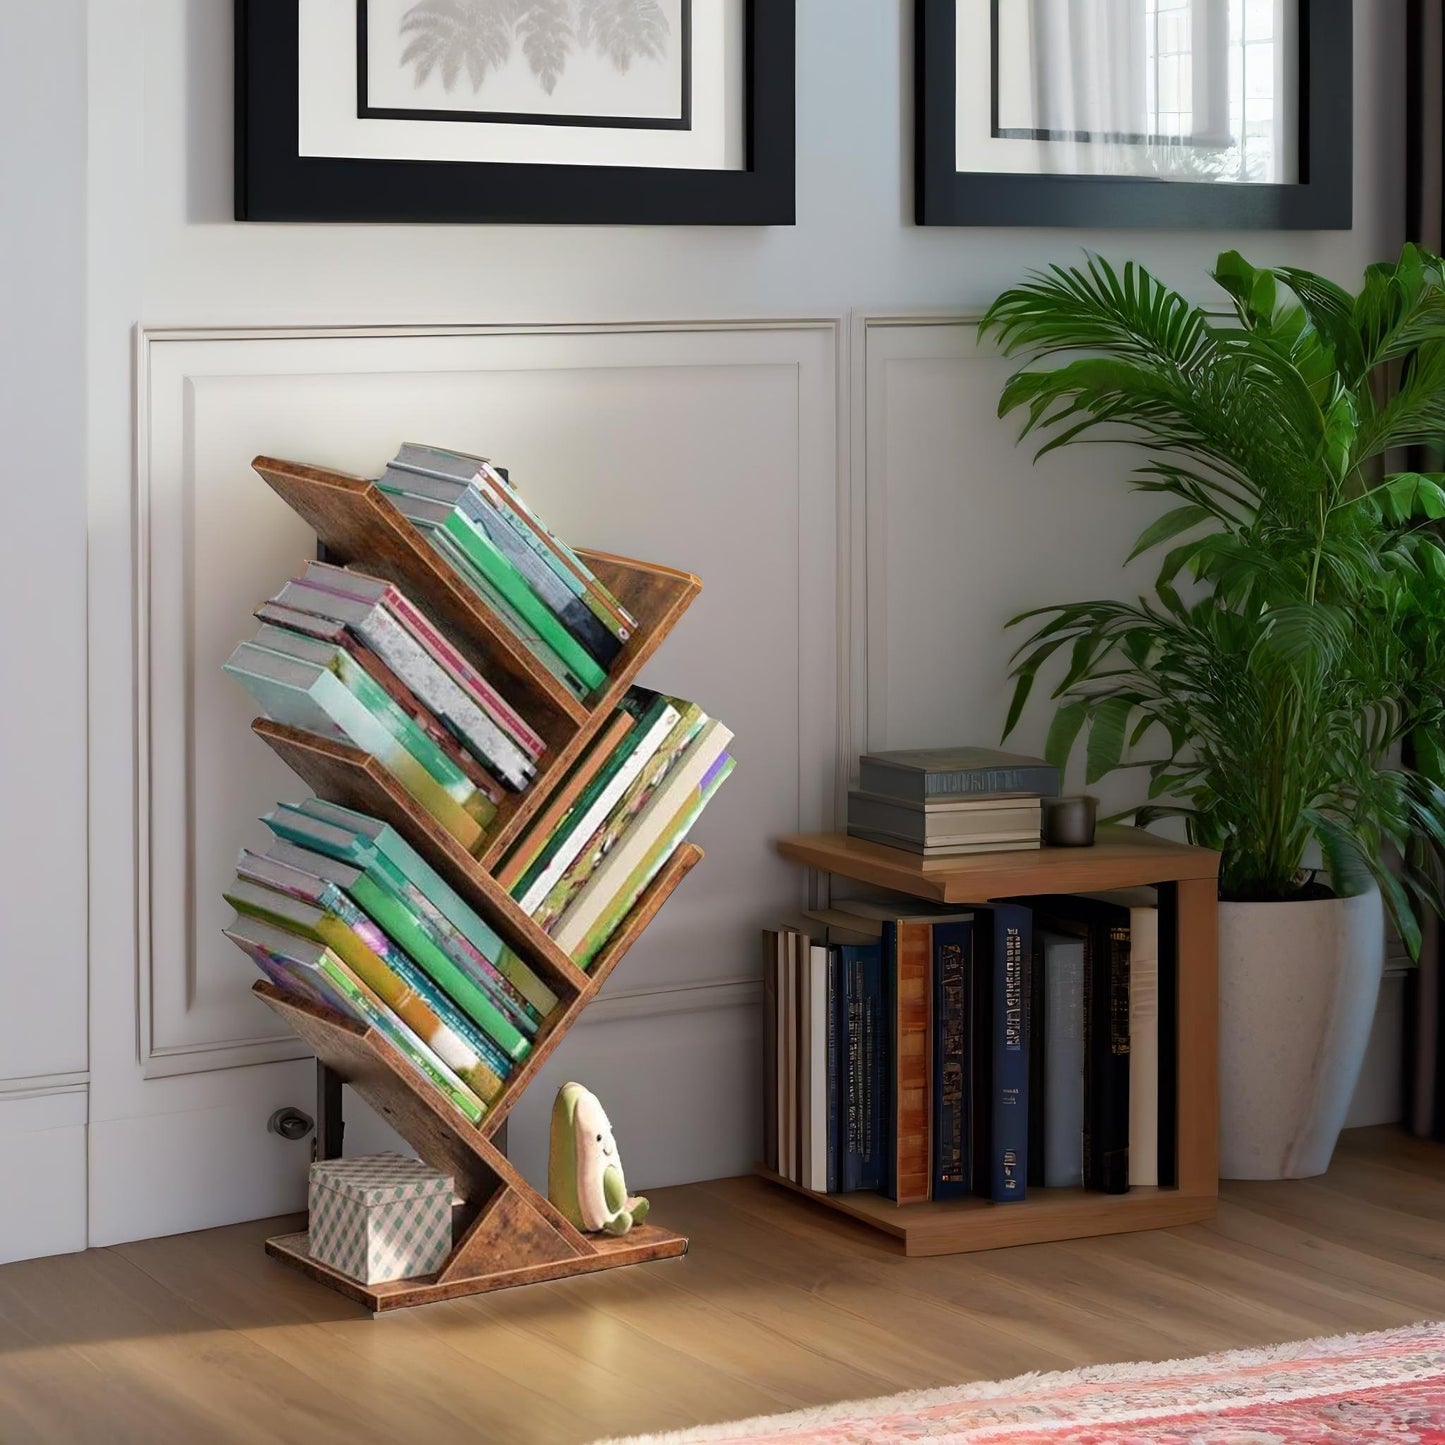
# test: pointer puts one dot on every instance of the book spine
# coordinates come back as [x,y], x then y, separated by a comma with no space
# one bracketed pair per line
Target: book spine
[620,817]
[1065,1067]
[910,785]
[413,1049]
[1168,1037]
[375,699]
[853,1146]
[464,674]
[429,681]
[1034,1025]
[443,544]
[1012,955]
[1143,1046]
[877,1129]
[606,602]
[887,1058]
[831,1070]
[483,554]
[952,945]
[770,1048]
[591,811]
[569,610]
[912,1044]
[1107,1157]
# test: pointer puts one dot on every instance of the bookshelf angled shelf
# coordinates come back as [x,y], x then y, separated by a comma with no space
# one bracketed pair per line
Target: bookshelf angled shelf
[506,1231]
[359,526]
[1187,879]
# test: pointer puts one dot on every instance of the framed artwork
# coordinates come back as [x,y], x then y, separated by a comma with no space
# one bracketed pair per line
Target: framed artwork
[1112,113]
[666,112]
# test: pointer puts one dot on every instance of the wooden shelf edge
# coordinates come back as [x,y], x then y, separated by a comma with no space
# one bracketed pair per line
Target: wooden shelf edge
[646,1244]
[1122,858]
[966,1226]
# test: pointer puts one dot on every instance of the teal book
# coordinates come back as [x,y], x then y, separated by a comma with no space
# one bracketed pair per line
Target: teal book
[548,585]
[373,697]
[454,1037]
[356,838]
[372,894]
[308,696]
[489,560]
[441,542]
[319,969]
[492,481]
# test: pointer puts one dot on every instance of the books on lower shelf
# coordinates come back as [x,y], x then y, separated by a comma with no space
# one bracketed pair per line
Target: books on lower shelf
[935,1053]
[341,908]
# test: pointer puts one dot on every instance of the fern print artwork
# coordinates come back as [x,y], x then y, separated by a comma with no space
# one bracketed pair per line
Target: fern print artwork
[562,58]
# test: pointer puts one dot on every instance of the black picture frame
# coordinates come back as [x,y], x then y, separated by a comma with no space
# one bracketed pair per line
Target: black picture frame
[273,182]
[1320,200]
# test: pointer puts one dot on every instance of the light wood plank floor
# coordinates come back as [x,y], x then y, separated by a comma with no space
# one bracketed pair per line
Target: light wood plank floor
[200,1338]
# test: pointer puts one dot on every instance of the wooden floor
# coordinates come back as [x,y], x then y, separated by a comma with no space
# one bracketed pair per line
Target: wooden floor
[200,1338]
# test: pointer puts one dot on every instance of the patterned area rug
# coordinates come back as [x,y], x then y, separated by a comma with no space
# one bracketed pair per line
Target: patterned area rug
[1359,1389]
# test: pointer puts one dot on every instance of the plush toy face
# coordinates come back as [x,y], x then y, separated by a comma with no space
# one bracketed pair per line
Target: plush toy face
[594,1129]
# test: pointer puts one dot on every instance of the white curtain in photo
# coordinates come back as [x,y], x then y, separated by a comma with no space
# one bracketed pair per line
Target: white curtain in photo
[1089,78]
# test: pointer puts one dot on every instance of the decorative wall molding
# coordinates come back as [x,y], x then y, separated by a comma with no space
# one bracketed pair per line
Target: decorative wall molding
[38,1086]
[191,383]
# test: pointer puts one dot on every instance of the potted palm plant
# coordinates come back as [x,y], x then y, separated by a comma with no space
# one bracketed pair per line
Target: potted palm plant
[1294,641]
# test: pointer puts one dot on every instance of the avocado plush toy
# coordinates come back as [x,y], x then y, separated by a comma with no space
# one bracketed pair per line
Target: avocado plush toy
[584,1170]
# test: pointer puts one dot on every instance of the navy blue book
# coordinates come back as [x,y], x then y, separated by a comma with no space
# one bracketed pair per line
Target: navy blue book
[999,1117]
[859,1004]
[887,1024]
[952,964]
[834,1094]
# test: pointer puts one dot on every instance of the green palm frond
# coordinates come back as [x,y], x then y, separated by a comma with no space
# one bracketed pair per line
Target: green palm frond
[1271,706]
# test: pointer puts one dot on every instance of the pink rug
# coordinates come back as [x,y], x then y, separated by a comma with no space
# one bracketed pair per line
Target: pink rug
[1344,1390]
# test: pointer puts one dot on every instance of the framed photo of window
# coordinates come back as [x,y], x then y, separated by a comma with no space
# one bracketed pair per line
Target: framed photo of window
[1114,113]
[555,111]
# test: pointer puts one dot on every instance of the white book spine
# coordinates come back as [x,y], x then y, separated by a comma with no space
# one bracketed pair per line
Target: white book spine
[419,671]
[577,837]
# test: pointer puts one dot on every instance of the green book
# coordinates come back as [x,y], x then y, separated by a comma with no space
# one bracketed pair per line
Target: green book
[308,696]
[484,555]
[316,908]
[403,926]
[597,801]
[377,701]
[319,970]
[365,842]
[373,898]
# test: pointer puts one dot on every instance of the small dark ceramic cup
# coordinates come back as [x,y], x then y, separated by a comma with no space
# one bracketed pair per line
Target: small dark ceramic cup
[1069,822]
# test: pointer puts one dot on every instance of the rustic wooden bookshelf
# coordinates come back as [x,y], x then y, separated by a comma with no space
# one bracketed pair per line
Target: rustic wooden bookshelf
[505,1231]
[1187,880]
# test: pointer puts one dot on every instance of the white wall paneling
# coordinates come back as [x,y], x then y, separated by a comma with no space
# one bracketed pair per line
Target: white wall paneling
[711,447]
[708,445]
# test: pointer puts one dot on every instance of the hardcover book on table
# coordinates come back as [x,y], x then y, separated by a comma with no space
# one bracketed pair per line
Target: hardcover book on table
[923,774]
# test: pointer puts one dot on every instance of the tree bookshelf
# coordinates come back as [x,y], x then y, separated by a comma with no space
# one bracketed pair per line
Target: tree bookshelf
[506,1232]
[1187,880]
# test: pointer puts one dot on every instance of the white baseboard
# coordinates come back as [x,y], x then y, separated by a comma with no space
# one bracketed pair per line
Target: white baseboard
[42,1141]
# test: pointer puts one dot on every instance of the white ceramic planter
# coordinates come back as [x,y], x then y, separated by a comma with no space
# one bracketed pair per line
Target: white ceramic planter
[1298,983]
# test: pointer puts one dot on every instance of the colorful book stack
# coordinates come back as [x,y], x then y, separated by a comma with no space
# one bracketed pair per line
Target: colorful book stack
[342,909]
[941,802]
[935,1053]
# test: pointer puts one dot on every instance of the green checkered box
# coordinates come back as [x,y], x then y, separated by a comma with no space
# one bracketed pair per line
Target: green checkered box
[381,1217]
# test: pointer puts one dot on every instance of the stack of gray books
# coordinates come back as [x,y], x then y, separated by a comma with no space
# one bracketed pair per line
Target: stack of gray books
[942,801]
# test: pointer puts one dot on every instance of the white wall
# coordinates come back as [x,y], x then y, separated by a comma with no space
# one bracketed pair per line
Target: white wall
[161,252]
[42,640]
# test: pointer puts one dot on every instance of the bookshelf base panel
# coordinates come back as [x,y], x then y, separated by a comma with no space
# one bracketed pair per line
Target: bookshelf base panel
[961,1226]
[642,1245]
